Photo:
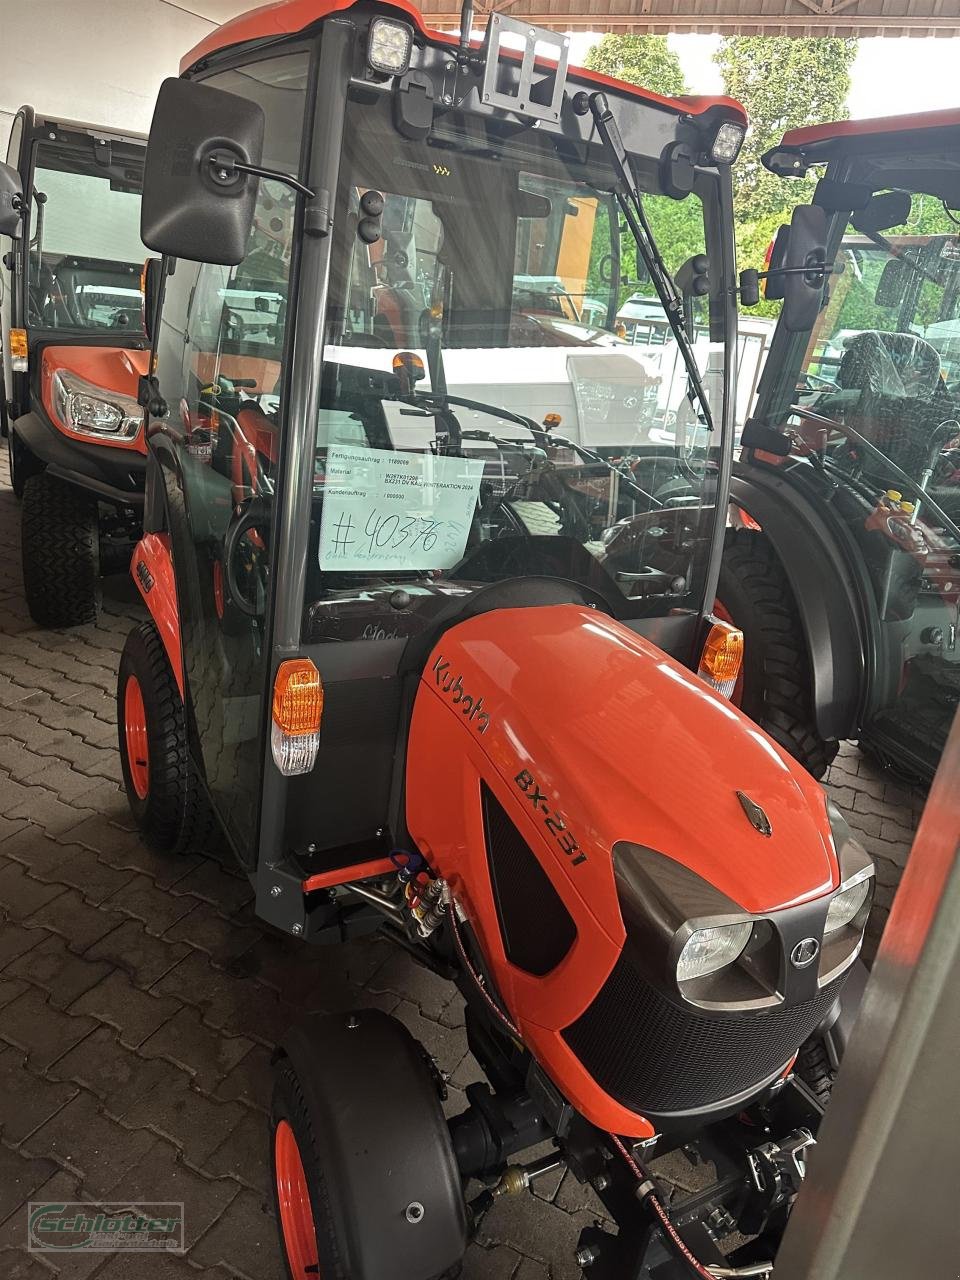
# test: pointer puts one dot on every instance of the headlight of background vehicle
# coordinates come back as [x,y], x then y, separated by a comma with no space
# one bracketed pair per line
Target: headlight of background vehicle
[708,950]
[847,901]
[93,411]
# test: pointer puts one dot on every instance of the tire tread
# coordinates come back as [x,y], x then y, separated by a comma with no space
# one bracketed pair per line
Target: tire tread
[60,552]
[783,705]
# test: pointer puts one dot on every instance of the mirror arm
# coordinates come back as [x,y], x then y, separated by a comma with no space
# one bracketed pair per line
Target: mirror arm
[225,167]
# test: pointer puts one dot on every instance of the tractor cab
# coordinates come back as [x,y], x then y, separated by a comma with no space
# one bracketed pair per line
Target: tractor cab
[868,389]
[476,422]
[73,351]
[429,553]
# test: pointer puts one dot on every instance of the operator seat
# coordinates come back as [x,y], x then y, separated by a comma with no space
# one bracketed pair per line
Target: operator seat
[902,396]
[398,302]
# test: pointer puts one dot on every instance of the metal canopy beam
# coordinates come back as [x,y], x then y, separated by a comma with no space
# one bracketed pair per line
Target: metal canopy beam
[880,1200]
[743,17]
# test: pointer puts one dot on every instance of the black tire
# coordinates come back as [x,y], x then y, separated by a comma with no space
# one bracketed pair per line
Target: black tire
[174,815]
[23,464]
[815,1070]
[290,1105]
[60,551]
[777,680]
[363,1157]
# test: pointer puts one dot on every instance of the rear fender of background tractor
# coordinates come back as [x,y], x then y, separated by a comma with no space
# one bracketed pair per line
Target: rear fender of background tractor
[825,592]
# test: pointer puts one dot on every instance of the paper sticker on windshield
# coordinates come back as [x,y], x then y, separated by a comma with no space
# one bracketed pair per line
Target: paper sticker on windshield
[386,510]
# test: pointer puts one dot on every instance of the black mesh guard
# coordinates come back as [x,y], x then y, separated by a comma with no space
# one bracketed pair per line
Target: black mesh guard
[658,1057]
[537,929]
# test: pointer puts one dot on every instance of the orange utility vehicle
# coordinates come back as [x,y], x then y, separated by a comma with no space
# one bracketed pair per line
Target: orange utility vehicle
[74,350]
[853,630]
[436,668]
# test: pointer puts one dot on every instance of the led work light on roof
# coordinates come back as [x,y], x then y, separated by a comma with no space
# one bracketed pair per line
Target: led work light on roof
[389,45]
[727,142]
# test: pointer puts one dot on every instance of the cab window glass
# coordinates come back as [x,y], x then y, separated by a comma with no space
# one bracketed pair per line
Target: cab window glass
[222,335]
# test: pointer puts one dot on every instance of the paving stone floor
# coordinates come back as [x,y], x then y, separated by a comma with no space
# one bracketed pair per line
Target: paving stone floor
[140,998]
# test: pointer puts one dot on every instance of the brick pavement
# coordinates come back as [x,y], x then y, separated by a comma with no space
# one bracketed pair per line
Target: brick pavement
[140,998]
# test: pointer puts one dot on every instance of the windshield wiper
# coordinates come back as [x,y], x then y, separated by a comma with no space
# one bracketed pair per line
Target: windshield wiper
[628,197]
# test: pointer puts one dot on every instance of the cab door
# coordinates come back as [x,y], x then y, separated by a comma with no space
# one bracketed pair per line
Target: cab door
[220,351]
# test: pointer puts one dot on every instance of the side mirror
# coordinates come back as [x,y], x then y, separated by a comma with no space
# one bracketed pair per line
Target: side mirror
[11,197]
[892,284]
[151,281]
[774,287]
[197,202]
[889,209]
[804,268]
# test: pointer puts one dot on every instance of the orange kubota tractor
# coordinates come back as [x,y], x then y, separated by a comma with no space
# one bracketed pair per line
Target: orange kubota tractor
[431,642]
[74,350]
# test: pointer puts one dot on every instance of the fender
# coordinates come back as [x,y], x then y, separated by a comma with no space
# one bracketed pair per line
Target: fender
[825,591]
[386,1137]
[152,571]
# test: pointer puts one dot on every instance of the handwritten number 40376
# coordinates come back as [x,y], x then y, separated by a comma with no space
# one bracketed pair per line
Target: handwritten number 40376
[395,531]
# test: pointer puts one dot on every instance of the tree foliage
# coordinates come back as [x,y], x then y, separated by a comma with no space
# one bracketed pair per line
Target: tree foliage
[784,83]
[643,60]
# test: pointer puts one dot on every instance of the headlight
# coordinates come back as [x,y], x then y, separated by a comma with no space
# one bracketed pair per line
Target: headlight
[388,46]
[727,143]
[93,411]
[846,902]
[708,950]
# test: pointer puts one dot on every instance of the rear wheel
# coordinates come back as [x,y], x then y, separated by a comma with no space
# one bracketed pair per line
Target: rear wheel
[777,687]
[165,796]
[60,550]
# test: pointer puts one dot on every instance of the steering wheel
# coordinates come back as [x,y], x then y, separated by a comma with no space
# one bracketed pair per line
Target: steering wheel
[245,569]
[829,384]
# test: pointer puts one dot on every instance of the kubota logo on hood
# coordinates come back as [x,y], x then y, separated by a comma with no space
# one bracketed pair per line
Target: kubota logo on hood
[452,686]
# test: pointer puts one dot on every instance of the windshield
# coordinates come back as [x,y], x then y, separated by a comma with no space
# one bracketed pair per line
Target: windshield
[503,394]
[85,254]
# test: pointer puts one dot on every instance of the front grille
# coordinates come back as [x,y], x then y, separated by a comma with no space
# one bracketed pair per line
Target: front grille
[658,1057]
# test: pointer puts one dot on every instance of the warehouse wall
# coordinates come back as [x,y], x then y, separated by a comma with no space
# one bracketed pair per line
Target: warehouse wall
[95,60]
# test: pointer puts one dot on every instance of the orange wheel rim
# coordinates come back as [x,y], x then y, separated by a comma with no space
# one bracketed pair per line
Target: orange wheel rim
[296,1215]
[135,733]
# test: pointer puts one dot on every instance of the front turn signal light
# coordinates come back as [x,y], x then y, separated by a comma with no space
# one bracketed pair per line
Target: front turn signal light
[722,658]
[18,350]
[297,712]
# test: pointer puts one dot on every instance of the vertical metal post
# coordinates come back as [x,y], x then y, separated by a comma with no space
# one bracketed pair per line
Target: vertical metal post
[880,1200]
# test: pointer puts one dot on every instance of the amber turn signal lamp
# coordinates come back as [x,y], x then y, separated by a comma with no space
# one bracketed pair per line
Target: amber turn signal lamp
[722,657]
[18,350]
[297,712]
[297,697]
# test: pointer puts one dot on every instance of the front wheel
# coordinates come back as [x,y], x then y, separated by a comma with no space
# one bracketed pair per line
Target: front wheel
[366,1185]
[60,551]
[165,795]
[776,689]
[23,464]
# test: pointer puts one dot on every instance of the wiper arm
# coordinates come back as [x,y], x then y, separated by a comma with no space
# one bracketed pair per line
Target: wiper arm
[628,197]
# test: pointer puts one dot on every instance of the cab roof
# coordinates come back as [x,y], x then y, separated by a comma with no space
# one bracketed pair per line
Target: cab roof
[821,142]
[287,17]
